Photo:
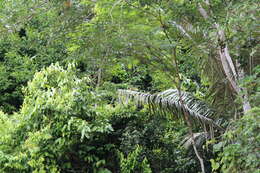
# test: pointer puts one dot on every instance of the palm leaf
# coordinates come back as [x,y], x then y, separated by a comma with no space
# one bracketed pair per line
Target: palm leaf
[169,101]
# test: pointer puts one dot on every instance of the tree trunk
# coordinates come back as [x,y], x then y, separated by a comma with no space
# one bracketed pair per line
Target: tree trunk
[227,63]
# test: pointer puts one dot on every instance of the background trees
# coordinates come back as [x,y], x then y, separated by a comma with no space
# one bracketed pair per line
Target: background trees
[67,117]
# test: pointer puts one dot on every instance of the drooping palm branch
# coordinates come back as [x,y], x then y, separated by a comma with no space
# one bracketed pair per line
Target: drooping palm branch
[169,101]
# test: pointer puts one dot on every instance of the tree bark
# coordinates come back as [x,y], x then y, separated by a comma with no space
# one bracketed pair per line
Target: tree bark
[227,63]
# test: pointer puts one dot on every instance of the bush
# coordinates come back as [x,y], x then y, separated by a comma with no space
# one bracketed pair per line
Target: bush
[239,149]
[55,128]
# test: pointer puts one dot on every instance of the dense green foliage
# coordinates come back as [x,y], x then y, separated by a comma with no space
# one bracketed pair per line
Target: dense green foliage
[240,146]
[129,86]
[56,119]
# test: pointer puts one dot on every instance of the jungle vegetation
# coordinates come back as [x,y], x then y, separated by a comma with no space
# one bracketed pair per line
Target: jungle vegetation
[129,86]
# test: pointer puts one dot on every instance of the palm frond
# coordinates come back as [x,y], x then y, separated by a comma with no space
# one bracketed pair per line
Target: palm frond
[169,101]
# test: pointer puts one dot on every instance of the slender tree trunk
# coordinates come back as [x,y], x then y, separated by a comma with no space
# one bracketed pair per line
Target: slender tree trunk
[192,137]
[227,63]
[99,77]
[241,75]
[186,117]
